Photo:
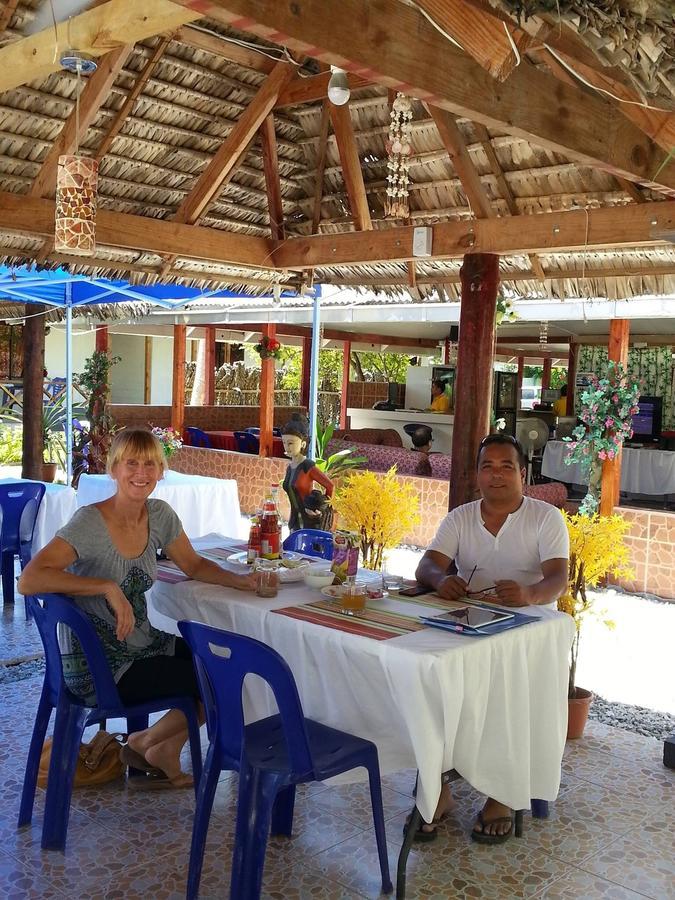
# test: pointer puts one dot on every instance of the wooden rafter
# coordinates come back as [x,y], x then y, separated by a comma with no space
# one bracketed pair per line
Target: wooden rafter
[397,47]
[315,88]
[211,43]
[6,14]
[454,143]
[320,165]
[335,334]
[96,32]
[94,93]
[268,140]
[351,166]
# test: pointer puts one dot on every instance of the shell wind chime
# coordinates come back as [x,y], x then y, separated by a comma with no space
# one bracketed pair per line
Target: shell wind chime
[399,149]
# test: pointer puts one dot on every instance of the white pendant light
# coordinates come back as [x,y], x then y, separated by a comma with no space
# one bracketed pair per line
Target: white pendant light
[338,86]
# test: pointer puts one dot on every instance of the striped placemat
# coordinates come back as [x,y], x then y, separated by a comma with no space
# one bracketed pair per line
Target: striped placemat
[169,572]
[378,624]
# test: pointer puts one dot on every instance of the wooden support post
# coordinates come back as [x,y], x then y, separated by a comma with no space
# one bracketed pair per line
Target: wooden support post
[210,366]
[178,384]
[102,339]
[267,397]
[446,352]
[346,356]
[572,362]
[521,373]
[33,374]
[147,377]
[619,331]
[480,280]
[306,368]
[546,375]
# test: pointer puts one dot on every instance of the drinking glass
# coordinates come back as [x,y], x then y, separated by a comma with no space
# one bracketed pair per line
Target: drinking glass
[391,583]
[268,580]
[353,598]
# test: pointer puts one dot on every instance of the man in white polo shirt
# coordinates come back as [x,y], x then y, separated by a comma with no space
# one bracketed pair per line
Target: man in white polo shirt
[504,546]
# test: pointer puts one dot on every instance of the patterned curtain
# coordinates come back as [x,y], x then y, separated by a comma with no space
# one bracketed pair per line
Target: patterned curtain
[653,364]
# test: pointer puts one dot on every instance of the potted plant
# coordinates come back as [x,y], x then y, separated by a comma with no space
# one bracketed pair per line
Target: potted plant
[268,348]
[53,440]
[597,549]
[92,438]
[169,438]
[380,508]
[335,464]
[608,406]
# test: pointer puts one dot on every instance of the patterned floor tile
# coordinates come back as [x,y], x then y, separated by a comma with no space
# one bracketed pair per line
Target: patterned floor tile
[576,885]
[18,882]
[637,866]
[354,864]
[352,802]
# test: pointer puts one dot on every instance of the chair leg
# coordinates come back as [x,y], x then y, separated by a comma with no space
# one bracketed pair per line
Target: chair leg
[37,740]
[414,823]
[68,728]
[518,823]
[205,793]
[257,793]
[378,821]
[282,811]
[539,809]
[190,712]
[7,576]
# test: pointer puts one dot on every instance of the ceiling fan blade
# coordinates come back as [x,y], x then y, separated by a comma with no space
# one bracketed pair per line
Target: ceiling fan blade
[63,9]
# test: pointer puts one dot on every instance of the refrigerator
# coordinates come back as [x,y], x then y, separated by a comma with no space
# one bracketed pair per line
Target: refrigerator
[505,399]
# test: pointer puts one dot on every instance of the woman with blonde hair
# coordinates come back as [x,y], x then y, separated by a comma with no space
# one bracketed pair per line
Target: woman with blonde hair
[105,559]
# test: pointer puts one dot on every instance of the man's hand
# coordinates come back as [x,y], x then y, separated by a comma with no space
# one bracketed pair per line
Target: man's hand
[245,582]
[510,593]
[124,613]
[452,587]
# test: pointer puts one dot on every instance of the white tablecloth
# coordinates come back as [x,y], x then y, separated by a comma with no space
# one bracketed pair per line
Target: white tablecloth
[204,505]
[58,505]
[494,708]
[642,471]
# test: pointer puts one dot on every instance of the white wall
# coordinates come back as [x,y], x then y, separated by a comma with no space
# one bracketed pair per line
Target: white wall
[128,375]
[84,343]
[162,371]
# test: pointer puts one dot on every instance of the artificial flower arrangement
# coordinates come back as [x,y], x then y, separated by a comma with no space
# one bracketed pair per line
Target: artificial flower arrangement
[505,311]
[170,440]
[608,406]
[268,348]
[380,508]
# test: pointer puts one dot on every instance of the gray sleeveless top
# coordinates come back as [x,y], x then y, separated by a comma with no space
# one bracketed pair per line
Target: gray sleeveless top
[97,557]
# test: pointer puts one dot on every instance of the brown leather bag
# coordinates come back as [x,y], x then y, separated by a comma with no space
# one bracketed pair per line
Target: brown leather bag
[99,760]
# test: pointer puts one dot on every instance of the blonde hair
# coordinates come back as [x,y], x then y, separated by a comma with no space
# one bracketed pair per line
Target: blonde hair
[136,442]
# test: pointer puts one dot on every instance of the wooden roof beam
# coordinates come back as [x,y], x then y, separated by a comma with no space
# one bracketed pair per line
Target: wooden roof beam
[333,334]
[268,140]
[320,165]
[574,230]
[351,166]
[315,88]
[454,143]
[394,44]
[96,32]
[8,11]
[219,46]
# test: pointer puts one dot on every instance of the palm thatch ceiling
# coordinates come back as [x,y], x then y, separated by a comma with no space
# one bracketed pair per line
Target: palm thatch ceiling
[543,130]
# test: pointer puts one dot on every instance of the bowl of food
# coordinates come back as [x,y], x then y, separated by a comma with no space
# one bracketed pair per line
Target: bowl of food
[318,575]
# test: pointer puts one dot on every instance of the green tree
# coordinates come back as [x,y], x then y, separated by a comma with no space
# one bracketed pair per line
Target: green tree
[381,366]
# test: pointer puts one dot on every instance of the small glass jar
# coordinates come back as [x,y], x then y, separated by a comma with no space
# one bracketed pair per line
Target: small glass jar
[268,579]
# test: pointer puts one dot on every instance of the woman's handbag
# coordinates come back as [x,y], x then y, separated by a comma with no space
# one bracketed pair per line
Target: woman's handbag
[98,761]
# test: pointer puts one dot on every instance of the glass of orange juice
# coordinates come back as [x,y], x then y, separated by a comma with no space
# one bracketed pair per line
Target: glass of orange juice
[353,598]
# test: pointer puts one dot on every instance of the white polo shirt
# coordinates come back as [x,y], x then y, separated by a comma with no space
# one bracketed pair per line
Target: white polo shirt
[535,532]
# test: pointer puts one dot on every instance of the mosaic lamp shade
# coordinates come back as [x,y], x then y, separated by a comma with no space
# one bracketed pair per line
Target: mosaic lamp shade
[76,195]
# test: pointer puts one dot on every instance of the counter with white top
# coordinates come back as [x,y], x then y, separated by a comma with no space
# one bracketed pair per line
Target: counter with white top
[441,423]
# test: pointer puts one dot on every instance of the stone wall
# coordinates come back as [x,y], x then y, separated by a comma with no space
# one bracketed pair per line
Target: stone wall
[208,418]
[363,394]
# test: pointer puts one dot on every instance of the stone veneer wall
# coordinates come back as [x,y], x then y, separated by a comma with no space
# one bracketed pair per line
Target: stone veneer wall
[651,538]
[363,394]
[208,418]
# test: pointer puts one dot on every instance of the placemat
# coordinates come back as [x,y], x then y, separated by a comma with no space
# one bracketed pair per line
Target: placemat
[373,623]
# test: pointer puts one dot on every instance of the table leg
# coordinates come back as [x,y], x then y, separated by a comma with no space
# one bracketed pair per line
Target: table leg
[414,822]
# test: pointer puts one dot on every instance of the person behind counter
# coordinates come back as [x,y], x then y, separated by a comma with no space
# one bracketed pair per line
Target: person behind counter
[560,405]
[440,402]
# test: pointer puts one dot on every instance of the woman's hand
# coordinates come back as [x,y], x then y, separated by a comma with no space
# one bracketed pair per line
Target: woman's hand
[244,582]
[124,613]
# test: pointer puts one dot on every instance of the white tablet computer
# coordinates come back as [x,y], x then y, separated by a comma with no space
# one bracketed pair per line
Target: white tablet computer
[469,615]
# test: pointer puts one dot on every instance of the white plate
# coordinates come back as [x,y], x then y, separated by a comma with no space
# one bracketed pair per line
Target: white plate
[286,576]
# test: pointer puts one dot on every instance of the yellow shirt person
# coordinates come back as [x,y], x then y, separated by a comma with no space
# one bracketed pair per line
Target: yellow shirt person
[440,402]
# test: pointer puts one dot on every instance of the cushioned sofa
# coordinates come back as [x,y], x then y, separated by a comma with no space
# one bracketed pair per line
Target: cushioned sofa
[380,458]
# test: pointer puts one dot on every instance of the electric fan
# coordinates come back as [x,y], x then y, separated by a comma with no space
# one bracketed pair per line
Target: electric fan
[531,434]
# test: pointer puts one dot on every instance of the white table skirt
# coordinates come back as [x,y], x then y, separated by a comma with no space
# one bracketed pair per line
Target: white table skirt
[493,708]
[204,505]
[642,471]
[57,507]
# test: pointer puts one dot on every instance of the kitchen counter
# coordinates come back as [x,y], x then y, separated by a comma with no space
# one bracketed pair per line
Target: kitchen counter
[441,423]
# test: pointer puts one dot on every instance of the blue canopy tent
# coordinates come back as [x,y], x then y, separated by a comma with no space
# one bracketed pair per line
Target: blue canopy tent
[61,289]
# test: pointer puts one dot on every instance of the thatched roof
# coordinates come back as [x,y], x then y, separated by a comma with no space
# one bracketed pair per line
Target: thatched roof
[193,94]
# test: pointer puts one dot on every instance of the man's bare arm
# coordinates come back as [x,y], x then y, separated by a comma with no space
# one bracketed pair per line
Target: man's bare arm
[552,586]
[432,572]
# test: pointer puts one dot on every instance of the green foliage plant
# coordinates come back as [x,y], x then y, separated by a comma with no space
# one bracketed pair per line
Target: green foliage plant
[335,464]
[11,447]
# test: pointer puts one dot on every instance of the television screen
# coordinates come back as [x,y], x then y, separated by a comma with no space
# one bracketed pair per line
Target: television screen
[647,420]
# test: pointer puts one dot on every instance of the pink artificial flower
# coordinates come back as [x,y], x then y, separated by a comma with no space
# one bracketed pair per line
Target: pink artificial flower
[615,398]
[609,422]
[602,455]
[610,454]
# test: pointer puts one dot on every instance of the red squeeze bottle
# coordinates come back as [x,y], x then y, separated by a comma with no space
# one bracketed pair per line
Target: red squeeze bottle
[254,541]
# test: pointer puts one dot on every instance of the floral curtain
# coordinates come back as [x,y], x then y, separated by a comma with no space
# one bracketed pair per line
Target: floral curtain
[653,364]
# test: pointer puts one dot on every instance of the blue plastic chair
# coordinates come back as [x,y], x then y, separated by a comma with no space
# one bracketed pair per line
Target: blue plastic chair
[247,442]
[198,438]
[311,542]
[271,755]
[19,507]
[72,716]
[276,432]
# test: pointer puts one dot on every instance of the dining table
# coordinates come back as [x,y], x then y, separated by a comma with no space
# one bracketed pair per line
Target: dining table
[491,707]
[204,505]
[56,509]
[225,440]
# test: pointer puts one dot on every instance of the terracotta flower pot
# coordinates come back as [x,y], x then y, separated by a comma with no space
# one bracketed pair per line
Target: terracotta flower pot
[578,713]
[49,471]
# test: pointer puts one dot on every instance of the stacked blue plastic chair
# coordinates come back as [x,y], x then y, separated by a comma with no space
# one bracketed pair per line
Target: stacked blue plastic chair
[247,442]
[19,507]
[198,438]
[72,716]
[311,542]
[271,755]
